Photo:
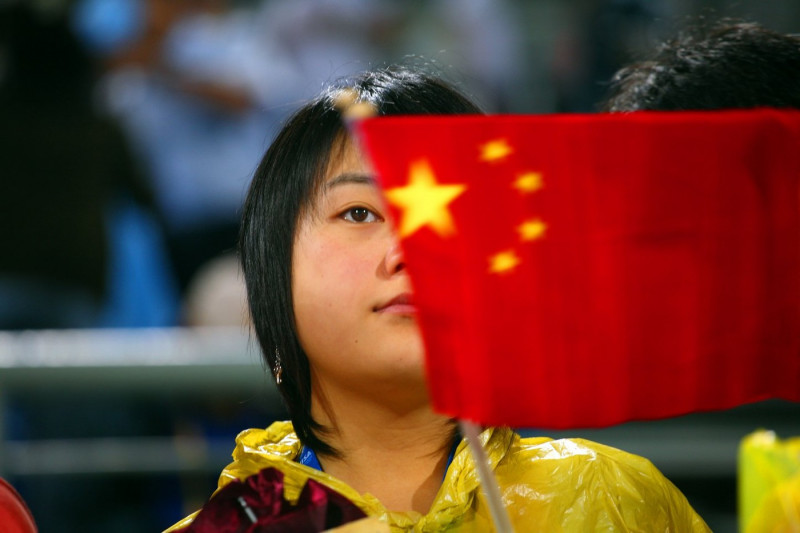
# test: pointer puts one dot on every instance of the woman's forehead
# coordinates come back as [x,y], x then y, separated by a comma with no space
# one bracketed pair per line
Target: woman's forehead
[345,158]
[346,165]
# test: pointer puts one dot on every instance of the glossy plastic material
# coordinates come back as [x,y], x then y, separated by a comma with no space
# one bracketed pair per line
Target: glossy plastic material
[546,485]
[769,483]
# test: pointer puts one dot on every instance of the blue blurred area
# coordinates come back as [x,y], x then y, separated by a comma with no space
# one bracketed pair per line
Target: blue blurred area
[142,291]
[108,25]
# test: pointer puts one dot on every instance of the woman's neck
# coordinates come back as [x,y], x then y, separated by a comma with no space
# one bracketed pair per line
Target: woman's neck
[398,456]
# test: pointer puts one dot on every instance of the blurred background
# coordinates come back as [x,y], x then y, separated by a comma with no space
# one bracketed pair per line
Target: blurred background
[129,132]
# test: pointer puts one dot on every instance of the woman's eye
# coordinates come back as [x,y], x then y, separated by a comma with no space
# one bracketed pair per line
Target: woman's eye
[360,214]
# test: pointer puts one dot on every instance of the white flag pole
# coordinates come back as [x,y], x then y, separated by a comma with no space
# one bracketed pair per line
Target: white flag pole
[491,490]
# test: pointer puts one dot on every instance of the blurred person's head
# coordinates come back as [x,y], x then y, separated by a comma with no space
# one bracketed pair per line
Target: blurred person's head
[216,295]
[288,202]
[730,65]
[123,33]
[107,26]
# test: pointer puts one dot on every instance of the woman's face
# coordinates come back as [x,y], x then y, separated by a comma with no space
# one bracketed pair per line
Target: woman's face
[352,296]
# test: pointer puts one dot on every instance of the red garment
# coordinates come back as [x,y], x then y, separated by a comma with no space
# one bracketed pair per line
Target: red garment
[15,517]
[586,270]
[258,504]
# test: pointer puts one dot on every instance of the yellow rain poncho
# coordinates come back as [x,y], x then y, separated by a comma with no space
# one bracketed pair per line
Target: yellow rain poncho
[547,485]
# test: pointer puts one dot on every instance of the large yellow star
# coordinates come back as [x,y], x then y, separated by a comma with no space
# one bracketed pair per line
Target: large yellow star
[495,150]
[503,262]
[424,202]
[528,182]
[532,229]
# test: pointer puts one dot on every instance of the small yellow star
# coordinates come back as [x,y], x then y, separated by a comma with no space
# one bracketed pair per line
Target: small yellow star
[503,262]
[532,229]
[424,202]
[495,150]
[528,182]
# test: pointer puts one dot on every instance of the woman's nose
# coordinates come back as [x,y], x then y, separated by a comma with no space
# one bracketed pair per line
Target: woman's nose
[394,261]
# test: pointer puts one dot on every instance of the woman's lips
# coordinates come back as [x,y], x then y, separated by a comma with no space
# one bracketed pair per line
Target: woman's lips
[401,304]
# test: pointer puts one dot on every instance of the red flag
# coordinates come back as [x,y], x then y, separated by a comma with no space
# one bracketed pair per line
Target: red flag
[586,270]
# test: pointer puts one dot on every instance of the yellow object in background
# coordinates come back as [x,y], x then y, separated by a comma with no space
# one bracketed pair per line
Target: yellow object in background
[769,484]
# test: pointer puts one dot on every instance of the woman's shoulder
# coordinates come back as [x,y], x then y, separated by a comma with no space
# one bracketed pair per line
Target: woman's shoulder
[601,480]
[577,450]
[568,459]
[275,447]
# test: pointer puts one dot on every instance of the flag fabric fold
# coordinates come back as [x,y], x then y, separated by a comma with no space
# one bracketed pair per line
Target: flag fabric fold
[586,270]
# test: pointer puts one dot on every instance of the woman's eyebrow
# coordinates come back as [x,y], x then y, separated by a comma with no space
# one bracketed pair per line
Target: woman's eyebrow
[349,178]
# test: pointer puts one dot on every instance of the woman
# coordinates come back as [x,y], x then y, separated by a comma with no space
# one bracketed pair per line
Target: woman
[331,304]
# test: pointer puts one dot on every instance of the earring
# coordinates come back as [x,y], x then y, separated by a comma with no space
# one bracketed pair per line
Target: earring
[278,370]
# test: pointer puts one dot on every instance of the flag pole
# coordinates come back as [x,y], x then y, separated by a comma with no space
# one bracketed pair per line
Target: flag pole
[351,109]
[491,490]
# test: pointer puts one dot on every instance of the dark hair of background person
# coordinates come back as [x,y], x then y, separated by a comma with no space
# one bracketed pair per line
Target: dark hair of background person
[61,164]
[284,187]
[725,66]
[43,62]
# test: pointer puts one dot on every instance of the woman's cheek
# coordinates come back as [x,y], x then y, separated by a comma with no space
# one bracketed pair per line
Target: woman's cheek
[336,273]
[347,259]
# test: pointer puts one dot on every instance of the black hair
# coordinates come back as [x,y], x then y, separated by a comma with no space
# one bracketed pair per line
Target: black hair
[284,187]
[728,65]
